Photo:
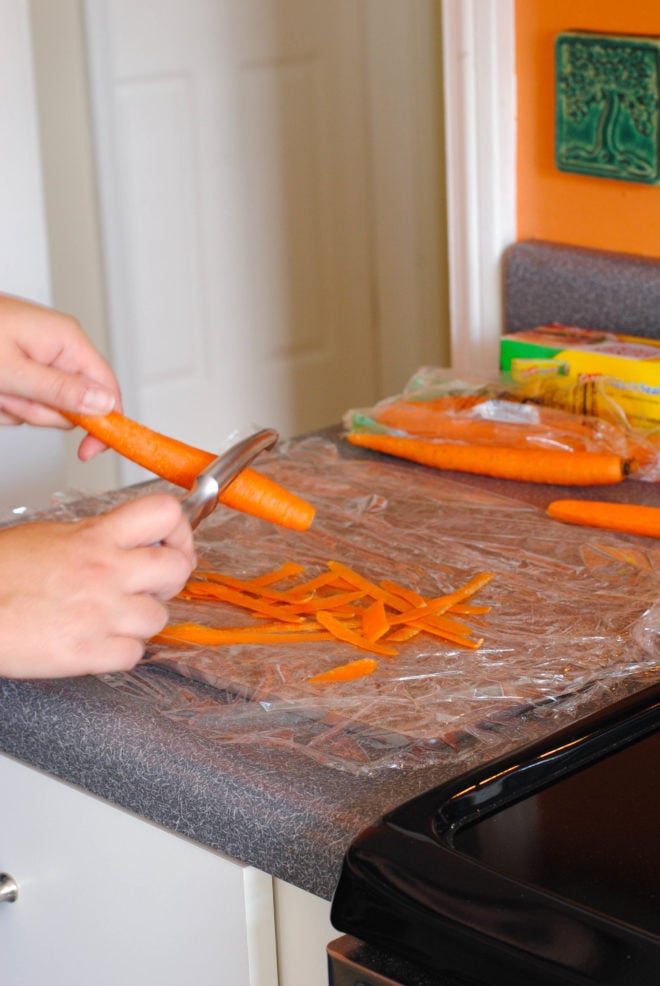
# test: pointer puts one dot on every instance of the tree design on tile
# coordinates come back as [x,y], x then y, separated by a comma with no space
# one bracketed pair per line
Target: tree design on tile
[609,93]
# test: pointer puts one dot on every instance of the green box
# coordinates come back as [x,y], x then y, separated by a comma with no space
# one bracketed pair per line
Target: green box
[608,106]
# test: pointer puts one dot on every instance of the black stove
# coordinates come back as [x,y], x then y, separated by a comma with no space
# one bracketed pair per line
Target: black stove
[540,868]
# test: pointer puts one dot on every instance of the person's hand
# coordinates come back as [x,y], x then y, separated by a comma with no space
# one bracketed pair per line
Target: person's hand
[47,362]
[83,597]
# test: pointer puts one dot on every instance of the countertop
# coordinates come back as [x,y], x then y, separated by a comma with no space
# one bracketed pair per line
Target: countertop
[270,807]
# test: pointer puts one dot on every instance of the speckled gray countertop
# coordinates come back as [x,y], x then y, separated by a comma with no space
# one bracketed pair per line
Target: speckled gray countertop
[269,807]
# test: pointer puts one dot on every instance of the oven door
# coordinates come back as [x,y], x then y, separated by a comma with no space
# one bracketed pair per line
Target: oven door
[543,867]
[354,963]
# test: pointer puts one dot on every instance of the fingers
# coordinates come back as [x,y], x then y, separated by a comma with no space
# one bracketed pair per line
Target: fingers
[49,389]
[6,418]
[68,391]
[89,448]
[47,363]
[155,519]
[83,597]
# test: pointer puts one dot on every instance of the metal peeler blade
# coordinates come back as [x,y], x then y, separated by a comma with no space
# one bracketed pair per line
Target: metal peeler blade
[202,499]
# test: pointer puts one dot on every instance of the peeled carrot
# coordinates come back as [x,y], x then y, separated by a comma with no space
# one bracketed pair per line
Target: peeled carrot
[526,465]
[347,672]
[628,517]
[180,464]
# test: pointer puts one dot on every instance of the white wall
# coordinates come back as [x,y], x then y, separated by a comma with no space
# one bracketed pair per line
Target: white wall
[32,459]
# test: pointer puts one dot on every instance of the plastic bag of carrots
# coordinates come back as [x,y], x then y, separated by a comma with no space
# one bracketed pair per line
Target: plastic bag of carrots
[494,428]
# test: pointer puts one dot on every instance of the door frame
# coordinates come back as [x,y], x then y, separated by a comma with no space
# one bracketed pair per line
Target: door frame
[480,135]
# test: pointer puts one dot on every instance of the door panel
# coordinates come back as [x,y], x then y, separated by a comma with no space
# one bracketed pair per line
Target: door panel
[233,157]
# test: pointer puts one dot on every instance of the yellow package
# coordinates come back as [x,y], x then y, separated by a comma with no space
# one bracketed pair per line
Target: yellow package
[555,357]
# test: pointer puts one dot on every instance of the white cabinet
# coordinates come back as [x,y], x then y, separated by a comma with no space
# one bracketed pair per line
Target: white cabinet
[107,898]
[302,923]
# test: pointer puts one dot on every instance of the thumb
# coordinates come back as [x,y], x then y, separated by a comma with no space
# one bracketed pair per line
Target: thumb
[144,521]
[67,391]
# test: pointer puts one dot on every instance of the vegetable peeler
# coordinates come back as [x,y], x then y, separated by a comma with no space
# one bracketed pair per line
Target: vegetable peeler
[202,498]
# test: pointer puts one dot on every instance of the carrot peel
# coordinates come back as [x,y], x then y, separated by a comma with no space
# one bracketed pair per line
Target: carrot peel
[346,672]
[341,605]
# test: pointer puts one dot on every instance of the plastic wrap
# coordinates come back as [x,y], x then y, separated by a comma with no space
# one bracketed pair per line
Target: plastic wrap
[571,610]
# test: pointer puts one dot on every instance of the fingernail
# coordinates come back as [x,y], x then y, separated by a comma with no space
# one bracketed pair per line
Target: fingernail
[98,401]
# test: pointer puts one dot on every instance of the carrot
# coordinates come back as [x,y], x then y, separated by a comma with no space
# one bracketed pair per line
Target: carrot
[180,464]
[422,419]
[526,465]
[628,517]
[347,672]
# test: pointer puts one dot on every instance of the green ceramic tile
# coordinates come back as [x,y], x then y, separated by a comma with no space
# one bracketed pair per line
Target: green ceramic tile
[607,106]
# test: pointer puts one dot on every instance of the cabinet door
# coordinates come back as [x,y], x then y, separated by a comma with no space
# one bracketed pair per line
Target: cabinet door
[303,927]
[107,898]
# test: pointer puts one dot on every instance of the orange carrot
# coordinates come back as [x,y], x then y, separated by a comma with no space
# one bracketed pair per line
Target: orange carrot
[526,465]
[347,672]
[629,517]
[180,464]
[422,419]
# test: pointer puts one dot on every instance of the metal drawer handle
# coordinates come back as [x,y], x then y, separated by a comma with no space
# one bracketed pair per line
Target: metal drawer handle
[8,888]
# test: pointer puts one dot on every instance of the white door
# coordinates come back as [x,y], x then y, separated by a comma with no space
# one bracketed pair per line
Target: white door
[236,163]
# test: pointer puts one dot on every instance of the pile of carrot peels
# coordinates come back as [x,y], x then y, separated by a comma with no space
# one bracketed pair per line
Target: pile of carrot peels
[339,604]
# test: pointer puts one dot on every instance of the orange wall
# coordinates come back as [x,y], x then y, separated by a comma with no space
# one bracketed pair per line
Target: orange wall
[554,205]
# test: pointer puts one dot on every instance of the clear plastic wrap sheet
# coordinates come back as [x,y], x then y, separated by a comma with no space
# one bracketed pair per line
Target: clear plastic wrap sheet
[572,610]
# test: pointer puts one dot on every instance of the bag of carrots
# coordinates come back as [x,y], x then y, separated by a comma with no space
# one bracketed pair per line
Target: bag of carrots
[490,428]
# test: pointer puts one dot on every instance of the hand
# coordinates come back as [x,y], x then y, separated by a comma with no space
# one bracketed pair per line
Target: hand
[47,362]
[83,597]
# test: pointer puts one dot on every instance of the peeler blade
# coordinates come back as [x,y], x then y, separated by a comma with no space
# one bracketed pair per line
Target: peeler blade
[202,498]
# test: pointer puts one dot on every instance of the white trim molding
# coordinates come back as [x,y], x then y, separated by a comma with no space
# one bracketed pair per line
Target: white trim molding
[403,59]
[480,121]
